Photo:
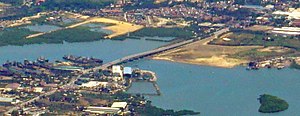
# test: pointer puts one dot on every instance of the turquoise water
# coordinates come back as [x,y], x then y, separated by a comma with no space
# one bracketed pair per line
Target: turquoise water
[42,27]
[98,27]
[222,92]
[142,88]
[209,90]
[107,50]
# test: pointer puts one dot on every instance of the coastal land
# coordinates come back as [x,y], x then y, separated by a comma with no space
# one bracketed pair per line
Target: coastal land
[202,53]
[117,27]
[235,47]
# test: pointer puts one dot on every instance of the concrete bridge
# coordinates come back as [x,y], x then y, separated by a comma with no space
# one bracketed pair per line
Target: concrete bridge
[115,62]
[149,53]
[140,55]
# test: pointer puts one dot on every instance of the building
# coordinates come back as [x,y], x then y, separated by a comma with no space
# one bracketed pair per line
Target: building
[8,100]
[121,105]
[117,69]
[38,89]
[9,87]
[117,72]
[128,71]
[94,84]
[292,31]
[102,110]
[296,23]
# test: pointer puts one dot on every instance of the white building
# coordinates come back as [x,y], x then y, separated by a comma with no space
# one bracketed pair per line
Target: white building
[128,71]
[9,100]
[117,69]
[94,84]
[117,72]
[287,30]
[122,105]
[103,110]
[38,89]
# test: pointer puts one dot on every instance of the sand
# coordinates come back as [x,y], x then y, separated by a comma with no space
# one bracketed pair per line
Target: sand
[202,53]
[119,27]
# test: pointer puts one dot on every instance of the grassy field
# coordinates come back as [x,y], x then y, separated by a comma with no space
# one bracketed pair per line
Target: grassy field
[14,36]
[163,32]
[256,54]
[249,38]
[243,47]
[202,53]
[78,34]
[74,33]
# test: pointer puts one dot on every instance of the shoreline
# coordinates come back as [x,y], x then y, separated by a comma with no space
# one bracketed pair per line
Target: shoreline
[203,53]
[118,28]
[197,63]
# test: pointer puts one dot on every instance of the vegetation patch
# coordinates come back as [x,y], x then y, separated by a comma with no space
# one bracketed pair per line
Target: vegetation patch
[272,104]
[17,36]
[256,38]
[74,4]
[14,36]
[163,32]
[256,54]
[150,110]
[78,34]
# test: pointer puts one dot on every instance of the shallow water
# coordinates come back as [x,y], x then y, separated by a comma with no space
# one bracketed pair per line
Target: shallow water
[219,91]
[209,90]
[42,27]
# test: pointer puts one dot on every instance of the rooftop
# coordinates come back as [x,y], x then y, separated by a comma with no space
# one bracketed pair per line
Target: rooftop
[119,105]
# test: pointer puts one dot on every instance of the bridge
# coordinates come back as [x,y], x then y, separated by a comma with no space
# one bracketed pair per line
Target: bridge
[149,53]
[115,62]
[139,55]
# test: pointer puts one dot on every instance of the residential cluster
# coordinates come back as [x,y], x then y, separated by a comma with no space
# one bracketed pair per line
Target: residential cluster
[32,85]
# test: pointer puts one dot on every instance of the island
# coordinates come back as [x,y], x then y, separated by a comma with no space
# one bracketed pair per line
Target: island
[272,104]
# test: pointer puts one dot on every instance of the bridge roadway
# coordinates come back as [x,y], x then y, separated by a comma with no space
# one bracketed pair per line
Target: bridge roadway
[151,52]
[139,55]
[118,61]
